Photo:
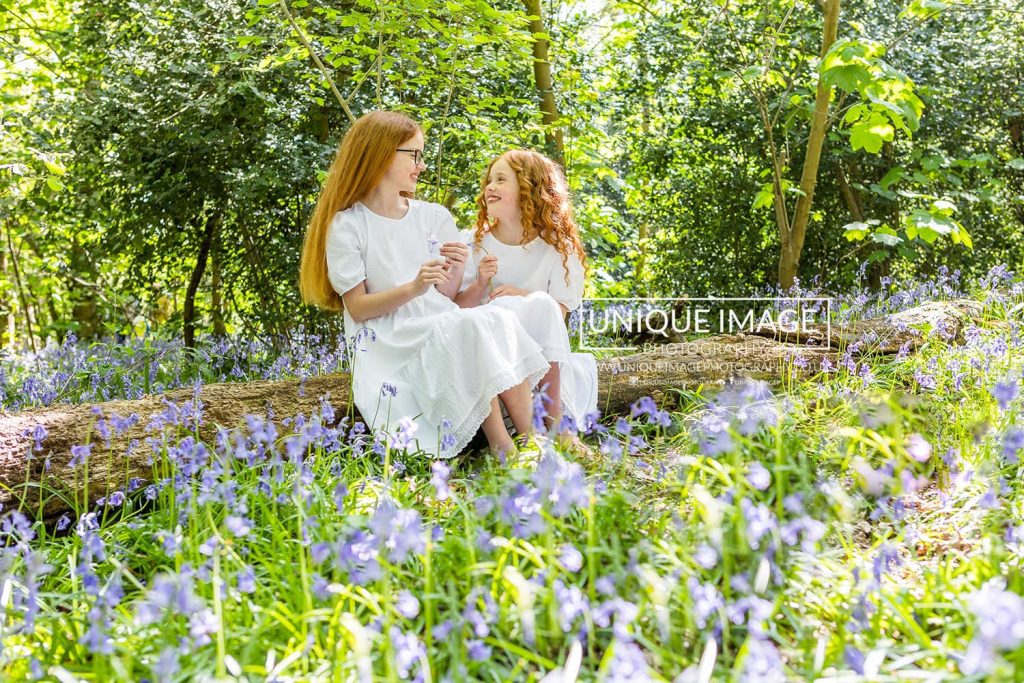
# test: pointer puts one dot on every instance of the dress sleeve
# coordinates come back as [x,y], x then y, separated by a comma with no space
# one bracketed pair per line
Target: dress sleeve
[346,265]
[447,231]
[569,295]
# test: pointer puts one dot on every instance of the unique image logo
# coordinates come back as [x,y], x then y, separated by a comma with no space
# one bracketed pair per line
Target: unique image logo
[625,324]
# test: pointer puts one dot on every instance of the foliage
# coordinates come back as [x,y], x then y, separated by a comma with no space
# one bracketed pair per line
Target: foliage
[854,524]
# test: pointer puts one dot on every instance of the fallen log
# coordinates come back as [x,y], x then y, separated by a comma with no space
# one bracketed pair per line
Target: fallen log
[36,447]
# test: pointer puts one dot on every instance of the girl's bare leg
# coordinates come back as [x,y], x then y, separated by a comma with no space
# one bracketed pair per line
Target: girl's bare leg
[494,429]
[519,404]
[554,391]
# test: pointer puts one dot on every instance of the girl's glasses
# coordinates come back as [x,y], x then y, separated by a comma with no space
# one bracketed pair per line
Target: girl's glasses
[417,155]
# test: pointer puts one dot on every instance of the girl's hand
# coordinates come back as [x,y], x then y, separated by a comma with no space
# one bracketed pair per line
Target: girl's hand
[507,290]
[456,253]
[433,272]
[487,269]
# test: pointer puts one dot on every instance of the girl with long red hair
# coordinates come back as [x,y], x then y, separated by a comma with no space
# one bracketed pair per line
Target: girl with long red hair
[528,252]
[426,371]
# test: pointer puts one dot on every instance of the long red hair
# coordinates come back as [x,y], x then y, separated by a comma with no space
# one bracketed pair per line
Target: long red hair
[544,204]
[362,159]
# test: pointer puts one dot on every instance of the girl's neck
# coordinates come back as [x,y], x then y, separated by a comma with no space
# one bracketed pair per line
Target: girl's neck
[509,232]
[386,202]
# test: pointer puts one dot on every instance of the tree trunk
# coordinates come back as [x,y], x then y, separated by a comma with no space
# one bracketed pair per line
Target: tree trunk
[793,239]
[545,82]
[621,381]
[26,309]
[216,300]
[188,310]
[1016,180]
[7,307]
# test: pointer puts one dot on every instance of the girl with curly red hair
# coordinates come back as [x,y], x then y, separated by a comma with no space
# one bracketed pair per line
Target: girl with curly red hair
[425,370]
[528,252]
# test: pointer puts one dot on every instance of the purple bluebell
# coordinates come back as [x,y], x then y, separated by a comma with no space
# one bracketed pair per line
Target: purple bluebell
[617,613]
[1013,441]
[628,664]
[439,472]
[477,650]
[706,601]
[408,650]
[570,558]
[999,625]
[442,630]
[1005,392]
[918,448]
[759,477]
[572,604]
[759,520]
[399,530]
[885,560]
[407,604]
[79,454]
[246,580]
[762,663]
[561,485]
[705,556]
[357,555]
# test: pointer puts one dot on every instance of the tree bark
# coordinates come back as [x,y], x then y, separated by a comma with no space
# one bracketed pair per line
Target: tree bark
[545,82]
[216,300]
[21,287]
[793,238]
[188,310]
[45,484]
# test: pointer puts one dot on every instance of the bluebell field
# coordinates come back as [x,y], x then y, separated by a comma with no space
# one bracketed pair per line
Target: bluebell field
[865,523]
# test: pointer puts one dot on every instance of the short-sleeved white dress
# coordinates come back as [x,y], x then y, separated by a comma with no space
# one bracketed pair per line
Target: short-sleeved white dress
[537,268]
[428,360]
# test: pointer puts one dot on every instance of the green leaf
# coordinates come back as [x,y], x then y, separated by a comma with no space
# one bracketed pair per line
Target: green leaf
[54,184]
[856,231]
[54,167]
[1017,164]
[887,236]
[893,176]
[763,199]
[869,135]
[849,78]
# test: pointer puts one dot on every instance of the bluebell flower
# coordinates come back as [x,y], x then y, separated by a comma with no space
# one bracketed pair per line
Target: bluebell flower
[570,558]
[478,651]
[1013,441]
[854,658]
[762,663]
[356,555]
[441,631]
[407,604]
[999,619]
[759,521]
[759,477]
[706,601]
[705,556]
[885,560]
[79,454]
[1004,393]
[246,580]
[572,604]
[918,448]
[439,480]
[398,530]
[619,614]
[166,665]
[628,664]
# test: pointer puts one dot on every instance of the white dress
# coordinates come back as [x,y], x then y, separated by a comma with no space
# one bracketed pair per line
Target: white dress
[445,363]
[537,268]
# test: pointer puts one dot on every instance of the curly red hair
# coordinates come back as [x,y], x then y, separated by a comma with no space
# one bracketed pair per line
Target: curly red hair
[543,202]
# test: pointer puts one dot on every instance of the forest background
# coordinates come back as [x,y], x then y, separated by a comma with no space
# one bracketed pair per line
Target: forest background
[159,160]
